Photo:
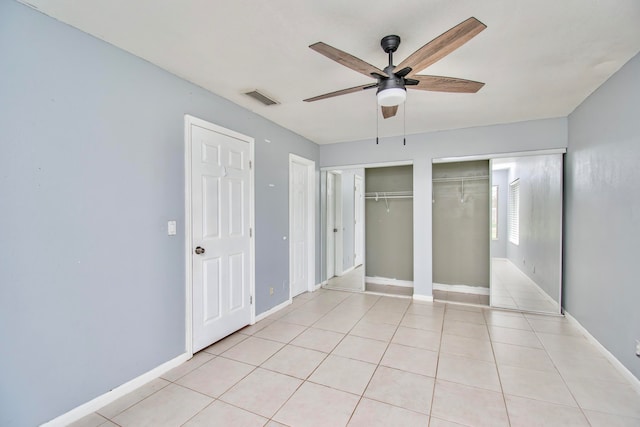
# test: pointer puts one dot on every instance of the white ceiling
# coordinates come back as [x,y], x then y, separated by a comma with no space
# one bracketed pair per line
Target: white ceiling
[539,59]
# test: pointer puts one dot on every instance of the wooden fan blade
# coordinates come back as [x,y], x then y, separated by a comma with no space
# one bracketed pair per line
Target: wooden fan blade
[389,111]
[346,59]
[339,92]
[442,45]
[446,84]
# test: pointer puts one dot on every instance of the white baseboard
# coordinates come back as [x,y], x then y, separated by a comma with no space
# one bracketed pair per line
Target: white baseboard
[423,298]
[388,282]
[467,289]
[269,312]
[111,396]
[635,382]
[318,286]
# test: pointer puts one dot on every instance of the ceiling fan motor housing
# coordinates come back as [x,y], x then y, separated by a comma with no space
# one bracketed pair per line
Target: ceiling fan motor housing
[390,83]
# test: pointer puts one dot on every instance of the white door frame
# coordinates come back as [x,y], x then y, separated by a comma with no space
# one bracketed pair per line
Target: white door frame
[358,244]
[311,218]
[188,121]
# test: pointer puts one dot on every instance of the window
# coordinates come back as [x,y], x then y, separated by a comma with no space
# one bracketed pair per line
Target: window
[514,212]
[494,212]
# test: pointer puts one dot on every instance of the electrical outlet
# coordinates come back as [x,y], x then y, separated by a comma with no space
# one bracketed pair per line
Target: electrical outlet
[638,348]
[270,291]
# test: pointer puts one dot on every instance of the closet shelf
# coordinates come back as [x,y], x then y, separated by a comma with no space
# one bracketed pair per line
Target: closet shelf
[461,178]
[383,195]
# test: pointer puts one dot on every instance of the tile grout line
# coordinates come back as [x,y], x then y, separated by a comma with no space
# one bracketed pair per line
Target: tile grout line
[325,358]
[435,379]
[546,350]
[495,360]
[380,361]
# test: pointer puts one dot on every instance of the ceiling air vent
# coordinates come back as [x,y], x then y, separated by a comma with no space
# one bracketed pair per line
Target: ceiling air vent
[261,98]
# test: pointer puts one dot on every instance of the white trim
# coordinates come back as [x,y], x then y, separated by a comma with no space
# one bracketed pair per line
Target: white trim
[337,168]
[188,238]
[112,395]
[466,289]
[318,286]
[358,246]
[389,282]
[188,121]
[272,310]
[626,373]
[382,294]
[423,298]
[499,155]
[311,221]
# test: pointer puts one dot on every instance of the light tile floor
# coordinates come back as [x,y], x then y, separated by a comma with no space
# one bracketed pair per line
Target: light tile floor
[352,281]
[340,358]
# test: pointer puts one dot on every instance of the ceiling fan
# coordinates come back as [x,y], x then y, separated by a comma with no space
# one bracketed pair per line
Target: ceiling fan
[392,84]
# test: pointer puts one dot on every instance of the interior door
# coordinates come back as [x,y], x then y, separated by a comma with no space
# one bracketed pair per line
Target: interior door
[331,212]
[299,188]
[221,189]
[358,200]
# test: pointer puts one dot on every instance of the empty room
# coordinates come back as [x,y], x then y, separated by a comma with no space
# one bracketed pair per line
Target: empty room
[319,213]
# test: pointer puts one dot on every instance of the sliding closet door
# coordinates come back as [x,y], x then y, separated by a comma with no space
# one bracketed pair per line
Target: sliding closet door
[526,229]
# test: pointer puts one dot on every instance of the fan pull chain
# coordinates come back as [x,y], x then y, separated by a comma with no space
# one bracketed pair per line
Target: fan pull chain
[404,124]
[377,125]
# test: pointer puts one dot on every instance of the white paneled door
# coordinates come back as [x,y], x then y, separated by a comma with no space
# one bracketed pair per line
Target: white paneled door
[301,224]
[221,235]
[331,230]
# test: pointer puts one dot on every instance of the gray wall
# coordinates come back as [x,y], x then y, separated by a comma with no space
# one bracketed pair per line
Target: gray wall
[538,254]
[499,246]
[422,148]
[389,234]
[91,170]
[461,224]
[602,214]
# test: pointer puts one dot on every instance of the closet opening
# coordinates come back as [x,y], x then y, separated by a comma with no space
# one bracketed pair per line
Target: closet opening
[367,227]
[461,235]
[497,230]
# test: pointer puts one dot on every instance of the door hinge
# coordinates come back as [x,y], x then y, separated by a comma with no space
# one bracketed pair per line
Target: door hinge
[250,299]
[250,232]
[250,164]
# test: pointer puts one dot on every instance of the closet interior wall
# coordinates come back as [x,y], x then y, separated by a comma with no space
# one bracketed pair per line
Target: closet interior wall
[461,229]
[389,223]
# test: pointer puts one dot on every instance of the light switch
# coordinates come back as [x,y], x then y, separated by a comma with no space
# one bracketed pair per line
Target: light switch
[171,228]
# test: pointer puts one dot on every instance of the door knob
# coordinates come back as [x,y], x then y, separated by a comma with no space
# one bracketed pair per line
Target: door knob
[199,250]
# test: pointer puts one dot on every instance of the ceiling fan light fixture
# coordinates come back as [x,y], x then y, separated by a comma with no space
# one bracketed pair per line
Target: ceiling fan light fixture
[391,97]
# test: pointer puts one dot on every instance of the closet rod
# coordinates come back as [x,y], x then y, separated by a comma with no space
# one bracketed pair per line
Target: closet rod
[389,193]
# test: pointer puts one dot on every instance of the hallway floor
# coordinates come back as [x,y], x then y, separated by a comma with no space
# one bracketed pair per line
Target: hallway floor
[341,358]
[512,289]
[352,281]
